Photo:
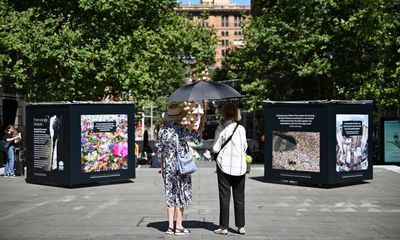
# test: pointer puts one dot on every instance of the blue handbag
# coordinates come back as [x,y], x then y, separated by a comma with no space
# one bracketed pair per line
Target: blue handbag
[185,164]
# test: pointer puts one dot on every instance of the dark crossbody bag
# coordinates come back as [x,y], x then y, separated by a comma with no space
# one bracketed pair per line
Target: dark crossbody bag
[215,155]
[4,145]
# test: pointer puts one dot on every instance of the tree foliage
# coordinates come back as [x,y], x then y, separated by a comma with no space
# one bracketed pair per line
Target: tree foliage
[73,50]
[321,49]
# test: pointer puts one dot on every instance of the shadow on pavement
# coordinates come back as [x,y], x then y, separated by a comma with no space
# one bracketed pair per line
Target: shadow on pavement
[300,184]
[163,225]
[85,185]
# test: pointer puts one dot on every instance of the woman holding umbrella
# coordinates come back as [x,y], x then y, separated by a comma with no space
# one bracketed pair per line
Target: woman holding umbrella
[230,144]
[178,188]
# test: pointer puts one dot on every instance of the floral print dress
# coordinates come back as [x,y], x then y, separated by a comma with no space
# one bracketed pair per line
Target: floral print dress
[178,188]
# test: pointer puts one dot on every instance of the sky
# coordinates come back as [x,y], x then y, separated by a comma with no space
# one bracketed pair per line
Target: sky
[240,2]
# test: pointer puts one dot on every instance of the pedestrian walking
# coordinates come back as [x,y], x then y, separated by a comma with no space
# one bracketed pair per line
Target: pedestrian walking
[230,144]
[178,188]
[9,140]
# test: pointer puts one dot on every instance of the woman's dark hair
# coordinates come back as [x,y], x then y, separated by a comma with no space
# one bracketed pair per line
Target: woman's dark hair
[8,127]
[229,112]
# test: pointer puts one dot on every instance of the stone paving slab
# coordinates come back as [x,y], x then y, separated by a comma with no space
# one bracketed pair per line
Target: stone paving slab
[136,209]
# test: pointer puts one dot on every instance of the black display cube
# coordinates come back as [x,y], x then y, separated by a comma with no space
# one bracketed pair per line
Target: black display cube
[318,142]
[71,144]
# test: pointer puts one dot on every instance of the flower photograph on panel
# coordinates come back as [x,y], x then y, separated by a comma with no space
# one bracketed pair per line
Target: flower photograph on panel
[104,142]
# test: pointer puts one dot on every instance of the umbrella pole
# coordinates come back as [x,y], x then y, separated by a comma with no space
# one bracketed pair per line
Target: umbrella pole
[204,110]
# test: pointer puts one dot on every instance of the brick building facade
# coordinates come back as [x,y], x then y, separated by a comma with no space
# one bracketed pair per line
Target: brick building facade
[226,18]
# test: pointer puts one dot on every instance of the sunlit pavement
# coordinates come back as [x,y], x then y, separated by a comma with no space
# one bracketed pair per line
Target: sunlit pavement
[135,210]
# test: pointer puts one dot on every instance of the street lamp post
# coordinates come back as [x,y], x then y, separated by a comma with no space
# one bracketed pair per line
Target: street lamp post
[151,121]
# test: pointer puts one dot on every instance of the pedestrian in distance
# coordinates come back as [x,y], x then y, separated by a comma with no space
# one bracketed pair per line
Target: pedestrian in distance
[230,145]
[178,188]
[10,138]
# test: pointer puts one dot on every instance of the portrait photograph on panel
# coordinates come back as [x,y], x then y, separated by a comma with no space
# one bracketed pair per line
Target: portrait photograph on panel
[46,137]
[351,142]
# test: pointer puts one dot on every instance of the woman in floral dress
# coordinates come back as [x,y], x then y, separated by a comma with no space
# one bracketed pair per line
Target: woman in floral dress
[178,188]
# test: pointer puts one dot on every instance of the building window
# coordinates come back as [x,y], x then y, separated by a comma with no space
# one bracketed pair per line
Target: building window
[237,21]
[235,33]
[223,53]
[226,42]
[202,24]
[222,42]
[227,33]
[224,21]
[223,33]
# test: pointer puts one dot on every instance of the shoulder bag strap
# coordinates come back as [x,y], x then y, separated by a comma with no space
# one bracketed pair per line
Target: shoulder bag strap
[227,140]
[177,163]
[177,145]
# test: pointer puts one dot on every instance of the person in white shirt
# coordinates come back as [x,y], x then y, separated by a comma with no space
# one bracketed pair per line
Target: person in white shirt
[231,167]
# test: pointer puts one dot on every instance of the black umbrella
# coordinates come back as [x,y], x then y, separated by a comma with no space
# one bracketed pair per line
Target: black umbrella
[203,90]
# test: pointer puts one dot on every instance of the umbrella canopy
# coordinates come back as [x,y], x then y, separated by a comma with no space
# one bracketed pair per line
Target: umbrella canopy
[203,90]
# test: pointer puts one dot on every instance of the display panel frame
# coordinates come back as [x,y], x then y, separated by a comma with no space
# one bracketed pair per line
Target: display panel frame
[355,175]
[36,133]
[101,109]
[325,122]
[384,144]
[71,143]
[298,117]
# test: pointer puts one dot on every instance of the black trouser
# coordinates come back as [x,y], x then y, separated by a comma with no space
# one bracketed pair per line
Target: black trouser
[225,182]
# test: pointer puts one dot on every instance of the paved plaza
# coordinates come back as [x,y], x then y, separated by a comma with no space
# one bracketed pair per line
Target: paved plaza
[135,209]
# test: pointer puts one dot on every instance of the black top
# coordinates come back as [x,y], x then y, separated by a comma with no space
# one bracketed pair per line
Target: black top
[12,143]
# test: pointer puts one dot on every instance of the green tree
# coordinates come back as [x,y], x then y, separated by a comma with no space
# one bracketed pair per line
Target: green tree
[73,50]
[366,46]
[320,49]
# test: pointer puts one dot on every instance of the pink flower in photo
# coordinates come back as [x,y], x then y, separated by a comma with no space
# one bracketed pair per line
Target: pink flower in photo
[102,158]
[120,150]
[86,124]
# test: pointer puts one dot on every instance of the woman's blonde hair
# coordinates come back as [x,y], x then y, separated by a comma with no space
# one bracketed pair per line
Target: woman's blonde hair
[230,112]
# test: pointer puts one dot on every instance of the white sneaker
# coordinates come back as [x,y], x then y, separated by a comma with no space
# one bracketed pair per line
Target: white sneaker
[221,231]
[241,230]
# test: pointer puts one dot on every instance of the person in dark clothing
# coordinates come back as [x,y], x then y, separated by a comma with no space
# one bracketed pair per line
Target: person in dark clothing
[10,140]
